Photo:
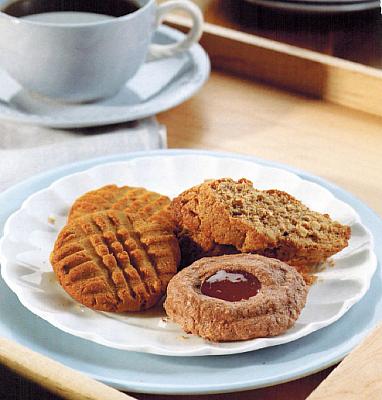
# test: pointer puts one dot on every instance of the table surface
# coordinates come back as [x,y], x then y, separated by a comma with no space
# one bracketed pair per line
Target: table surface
[233,114]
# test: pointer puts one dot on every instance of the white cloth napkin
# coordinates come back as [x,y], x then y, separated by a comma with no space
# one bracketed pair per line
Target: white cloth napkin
[26,150]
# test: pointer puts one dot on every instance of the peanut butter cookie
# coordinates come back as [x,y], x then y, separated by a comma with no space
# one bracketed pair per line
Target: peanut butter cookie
[268,222]
[113,261]
[236,297]
[151,205]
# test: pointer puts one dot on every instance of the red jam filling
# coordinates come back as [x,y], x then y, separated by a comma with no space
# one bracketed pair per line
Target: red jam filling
[231,286]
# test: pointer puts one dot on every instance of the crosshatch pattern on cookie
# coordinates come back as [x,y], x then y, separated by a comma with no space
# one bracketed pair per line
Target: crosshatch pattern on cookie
[113,261]
[131,199]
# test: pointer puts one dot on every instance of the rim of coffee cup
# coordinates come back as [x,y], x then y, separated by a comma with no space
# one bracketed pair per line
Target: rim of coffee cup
[114,20]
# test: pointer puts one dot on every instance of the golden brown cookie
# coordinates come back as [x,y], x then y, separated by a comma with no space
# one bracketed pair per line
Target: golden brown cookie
[269,222]
[151,205]
[236,297]
[113,261]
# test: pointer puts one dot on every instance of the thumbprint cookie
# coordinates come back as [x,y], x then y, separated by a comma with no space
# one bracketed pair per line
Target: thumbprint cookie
[236,297]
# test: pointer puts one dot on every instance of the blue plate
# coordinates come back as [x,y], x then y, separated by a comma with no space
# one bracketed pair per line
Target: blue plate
[136,372]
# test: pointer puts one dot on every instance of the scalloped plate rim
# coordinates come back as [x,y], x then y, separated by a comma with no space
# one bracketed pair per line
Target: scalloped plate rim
[201,350]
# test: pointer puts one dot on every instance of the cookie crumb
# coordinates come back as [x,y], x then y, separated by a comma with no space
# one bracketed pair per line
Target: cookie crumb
[163,322]
[331,263]
[51,219]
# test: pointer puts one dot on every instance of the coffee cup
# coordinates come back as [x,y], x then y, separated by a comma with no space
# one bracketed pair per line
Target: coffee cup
[84,50]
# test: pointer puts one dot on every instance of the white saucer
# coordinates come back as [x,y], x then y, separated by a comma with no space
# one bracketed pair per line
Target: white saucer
[18,105]
[317,6]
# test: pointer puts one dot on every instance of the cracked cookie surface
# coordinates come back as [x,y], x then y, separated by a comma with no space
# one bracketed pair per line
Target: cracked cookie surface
[224,214]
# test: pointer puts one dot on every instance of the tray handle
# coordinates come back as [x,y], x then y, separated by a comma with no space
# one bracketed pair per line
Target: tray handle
[55,377]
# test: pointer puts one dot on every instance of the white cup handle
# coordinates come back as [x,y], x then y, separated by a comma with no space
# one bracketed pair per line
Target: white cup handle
[168,50]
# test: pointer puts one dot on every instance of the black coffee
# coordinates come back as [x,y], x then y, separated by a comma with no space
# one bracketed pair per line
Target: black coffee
[114,8]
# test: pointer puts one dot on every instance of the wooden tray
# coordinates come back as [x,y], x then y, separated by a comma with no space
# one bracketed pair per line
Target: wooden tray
[303,71]
[303,138]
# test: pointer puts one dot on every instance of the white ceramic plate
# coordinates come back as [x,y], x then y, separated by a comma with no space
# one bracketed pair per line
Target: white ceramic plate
[129,104]
[29,235]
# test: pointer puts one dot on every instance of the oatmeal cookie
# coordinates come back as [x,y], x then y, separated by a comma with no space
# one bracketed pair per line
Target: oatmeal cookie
[113,261]
[278,296]
[268,222]
[151,205]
